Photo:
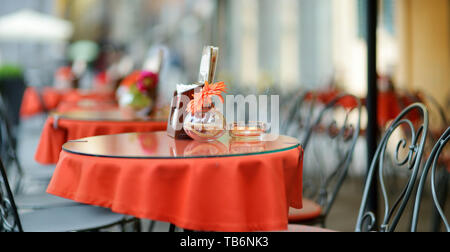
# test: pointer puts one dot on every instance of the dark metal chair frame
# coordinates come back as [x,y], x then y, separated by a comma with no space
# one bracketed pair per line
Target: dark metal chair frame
[327,190]
[367,220]
[7,206]
[293,111]
[9,216]
[443,177]
[431,163]
[8,147]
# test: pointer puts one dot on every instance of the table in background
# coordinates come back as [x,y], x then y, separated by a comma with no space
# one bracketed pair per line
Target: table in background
[226,185]
[62,127]
[36,101]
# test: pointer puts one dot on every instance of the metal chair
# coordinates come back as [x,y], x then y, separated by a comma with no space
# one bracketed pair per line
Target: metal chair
[440,122]
[41,174]
[339,135]
[298,115]
[367,221]
[9,155]
[432,163]
[59,219]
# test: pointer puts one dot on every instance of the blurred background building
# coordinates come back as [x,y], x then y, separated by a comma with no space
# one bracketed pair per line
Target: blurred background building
[266,47]
[286,44]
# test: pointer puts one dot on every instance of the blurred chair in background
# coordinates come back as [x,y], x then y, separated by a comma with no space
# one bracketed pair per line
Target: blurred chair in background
[297,115]
[59,219]
[334,135]
[22,177]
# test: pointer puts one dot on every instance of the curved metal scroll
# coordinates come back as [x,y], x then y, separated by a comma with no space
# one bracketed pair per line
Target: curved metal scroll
[431,162]
[412,161]
[9,218]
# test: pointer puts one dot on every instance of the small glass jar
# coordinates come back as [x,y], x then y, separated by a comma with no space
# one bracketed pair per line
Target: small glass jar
[247,131]
[206,125]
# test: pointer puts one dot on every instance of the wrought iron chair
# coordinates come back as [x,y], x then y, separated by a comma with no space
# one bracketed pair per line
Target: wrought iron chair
[42,174]
[341,136]
[9,155]
[298,115]
[432,163]
[367,221]
[59,219]
[440,122]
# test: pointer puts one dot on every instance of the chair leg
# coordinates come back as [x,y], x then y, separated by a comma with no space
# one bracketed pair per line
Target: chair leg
[322,222]
[172,228]
[137,225]
[151,226]
[122,226]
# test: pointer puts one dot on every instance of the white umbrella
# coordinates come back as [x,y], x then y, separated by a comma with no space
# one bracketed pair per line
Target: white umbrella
[30,25]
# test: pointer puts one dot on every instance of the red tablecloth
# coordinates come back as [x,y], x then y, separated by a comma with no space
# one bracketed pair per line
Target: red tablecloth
[64,107]
[52,139]
[390,104]
[242,193]
[35,101]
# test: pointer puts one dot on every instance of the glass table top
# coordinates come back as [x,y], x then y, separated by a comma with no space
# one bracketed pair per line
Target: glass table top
[159,145]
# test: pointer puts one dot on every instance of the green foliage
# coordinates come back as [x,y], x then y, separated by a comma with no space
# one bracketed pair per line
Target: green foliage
[140,100]
[8,71]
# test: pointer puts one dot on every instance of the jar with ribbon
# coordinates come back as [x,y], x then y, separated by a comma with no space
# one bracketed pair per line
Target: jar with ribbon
[203,121]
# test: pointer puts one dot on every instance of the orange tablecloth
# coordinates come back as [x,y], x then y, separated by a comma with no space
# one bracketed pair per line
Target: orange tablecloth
[52,139]
[390,104]
[64,107]
[35,101]
[242,193]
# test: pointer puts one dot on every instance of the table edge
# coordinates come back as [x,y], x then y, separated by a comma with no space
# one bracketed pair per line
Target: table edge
[180,158]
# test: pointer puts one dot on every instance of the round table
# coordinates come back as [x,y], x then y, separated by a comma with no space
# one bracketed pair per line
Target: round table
[86,104]
[36,101]
[226,185]
[62,127]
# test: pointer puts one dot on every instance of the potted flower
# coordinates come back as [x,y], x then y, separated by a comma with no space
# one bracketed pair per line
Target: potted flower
[138,92]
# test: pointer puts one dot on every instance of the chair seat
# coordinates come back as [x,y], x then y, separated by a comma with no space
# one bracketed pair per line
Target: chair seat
[310,210]
[41,201]
[307,229]
[65,219]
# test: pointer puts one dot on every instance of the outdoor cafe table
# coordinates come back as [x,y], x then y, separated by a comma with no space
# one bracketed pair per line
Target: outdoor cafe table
[37,101]
[62,127]
[226,185]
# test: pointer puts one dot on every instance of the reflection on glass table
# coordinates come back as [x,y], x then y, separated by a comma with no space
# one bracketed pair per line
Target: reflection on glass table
[160,145]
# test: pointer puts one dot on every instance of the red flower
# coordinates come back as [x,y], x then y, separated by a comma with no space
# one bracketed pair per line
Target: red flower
[204,97]
[146,81]
[131,79]
[143,80]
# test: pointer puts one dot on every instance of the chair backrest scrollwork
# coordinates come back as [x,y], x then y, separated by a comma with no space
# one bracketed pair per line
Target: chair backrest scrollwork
[9,217]
[432,163]
[366,219]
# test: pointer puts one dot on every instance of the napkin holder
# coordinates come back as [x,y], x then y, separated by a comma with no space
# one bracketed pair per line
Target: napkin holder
[177,108]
